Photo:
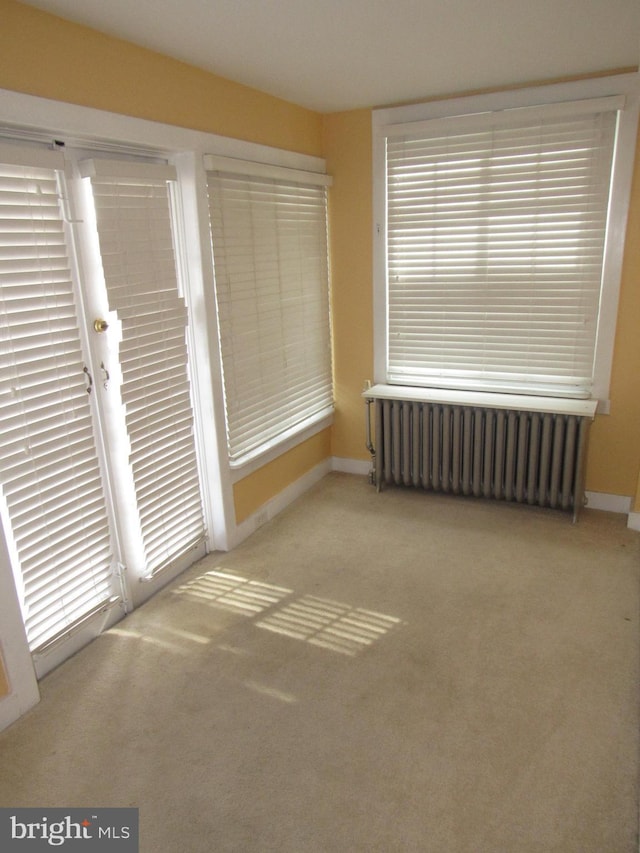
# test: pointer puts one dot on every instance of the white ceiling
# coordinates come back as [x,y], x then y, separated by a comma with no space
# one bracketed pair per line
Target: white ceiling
[332,55]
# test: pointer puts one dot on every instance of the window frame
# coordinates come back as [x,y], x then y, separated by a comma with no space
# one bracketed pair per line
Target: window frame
[627,85]
[282,179]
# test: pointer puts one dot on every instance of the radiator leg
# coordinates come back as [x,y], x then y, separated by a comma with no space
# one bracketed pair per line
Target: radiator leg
[467,455]
[489,454]
[396,443]
[387,438]
[534,452]
[522,454]
[406,443]
[380,443]
[498,471]
[510,457]
[426,446]
[415,444]
[477,452]
[456,460]
[568,472]
[556,461]
[581,457]
[435,447]
[545,460]
[445,458]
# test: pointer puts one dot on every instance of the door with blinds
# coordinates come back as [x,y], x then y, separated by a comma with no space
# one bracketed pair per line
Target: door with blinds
[132,204]
[52,499]
[99,477]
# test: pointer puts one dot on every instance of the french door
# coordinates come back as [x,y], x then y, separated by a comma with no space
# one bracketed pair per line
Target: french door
[98,469]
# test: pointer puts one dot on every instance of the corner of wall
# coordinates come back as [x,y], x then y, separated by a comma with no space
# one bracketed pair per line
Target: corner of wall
[5,687]
[264,485]
[270,508]
[361,467]
[18,685]
[633,521]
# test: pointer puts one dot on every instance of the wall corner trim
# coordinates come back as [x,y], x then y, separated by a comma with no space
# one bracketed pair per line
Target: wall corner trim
[609,503]
[633,521]
[350,466]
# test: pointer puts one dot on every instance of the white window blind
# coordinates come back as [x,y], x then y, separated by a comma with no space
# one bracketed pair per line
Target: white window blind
[52,496]
[496,229]
[271,268]
[133,214]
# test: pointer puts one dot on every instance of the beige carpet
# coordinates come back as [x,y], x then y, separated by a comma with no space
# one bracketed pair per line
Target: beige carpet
[393,672]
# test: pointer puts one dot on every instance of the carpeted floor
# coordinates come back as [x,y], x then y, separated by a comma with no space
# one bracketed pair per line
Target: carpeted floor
[393,672]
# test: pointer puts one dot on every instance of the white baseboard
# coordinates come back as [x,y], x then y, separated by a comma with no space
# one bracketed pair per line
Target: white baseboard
[350,466]
[633,521]
[595,500]
[282,500]
[609,503]
[278,502]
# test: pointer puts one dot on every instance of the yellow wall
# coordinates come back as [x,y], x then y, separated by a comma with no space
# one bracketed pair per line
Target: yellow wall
[347,149]
[43,55]
[256,489]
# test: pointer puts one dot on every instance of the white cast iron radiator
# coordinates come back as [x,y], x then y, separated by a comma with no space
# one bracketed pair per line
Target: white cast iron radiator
[452,445]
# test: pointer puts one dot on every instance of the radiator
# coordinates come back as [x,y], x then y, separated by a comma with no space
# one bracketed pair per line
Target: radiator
[531,457]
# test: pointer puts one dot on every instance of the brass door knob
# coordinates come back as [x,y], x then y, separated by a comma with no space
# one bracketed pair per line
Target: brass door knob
[100,325]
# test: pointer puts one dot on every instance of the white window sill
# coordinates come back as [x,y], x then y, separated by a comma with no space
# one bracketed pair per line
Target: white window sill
[250,462]
[491,400]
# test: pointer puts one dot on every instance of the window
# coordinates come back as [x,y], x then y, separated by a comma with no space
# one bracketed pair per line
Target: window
[499,269]
[269,235]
